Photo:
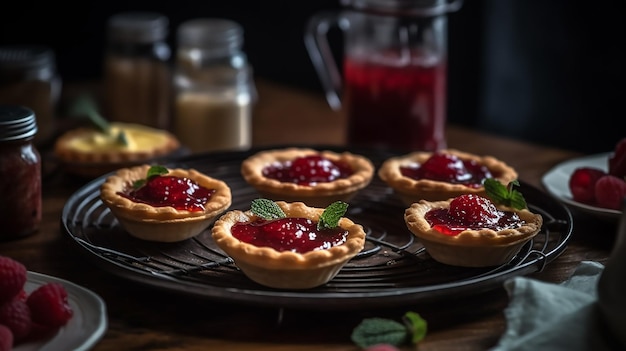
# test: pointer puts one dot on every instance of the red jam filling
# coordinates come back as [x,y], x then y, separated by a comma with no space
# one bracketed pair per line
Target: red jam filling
[180,193]
[449,168]
[289,234]
[471,212]
[308,170]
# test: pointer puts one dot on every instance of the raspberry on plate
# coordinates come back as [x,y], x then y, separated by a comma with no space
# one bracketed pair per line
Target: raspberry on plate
[15,314]
[12,278]
[582,184]
[49,305]
[610,192]
[6,338]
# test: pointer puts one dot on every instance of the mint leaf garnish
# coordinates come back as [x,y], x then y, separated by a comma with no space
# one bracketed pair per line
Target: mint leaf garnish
[331,215]
[85,106]
[267,209]
[153,171]
[505,195]
[373,331]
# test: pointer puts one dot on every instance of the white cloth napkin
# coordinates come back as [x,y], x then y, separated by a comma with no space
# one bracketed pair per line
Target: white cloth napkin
[566,316]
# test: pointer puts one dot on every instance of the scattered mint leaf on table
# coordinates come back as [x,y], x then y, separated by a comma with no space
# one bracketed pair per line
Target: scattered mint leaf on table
[374,331]
[505,195]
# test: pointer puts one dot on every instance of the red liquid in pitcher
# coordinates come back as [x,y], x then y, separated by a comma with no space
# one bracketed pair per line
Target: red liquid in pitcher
[398,107]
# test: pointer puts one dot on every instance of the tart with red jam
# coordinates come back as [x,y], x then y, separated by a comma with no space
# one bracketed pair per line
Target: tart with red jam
[440,175]
[289,245]
[155,203]
[317,178]
[474,231]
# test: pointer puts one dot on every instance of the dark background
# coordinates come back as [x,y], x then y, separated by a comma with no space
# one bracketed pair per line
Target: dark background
[551,72]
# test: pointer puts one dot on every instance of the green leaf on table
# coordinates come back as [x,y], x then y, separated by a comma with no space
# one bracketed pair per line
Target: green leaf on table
[331,215]
[373,331]
[505,195]
[267,209]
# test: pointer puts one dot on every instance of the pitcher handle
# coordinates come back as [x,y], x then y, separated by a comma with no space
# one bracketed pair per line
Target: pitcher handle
[316,42]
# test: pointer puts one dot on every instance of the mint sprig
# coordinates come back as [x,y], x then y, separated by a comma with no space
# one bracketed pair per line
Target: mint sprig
[332,214]
[374,331]
[505,195]
[153,171]
[85,106]
[267,209]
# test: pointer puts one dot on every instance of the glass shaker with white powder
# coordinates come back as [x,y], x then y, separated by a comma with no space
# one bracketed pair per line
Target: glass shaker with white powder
[214,88]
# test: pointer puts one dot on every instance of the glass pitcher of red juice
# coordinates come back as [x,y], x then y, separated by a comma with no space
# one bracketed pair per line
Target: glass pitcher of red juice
[393,84]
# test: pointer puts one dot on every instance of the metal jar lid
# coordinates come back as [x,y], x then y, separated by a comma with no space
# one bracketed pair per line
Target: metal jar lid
[17,123]
[137,27]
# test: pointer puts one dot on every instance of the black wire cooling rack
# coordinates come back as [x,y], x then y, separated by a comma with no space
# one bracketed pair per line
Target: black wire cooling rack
[392,270]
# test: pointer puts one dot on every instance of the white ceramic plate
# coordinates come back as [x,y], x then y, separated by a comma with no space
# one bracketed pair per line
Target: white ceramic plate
[556,182]
[87,325]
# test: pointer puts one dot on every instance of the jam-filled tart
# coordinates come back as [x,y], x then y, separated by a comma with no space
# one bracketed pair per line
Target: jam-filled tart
[317,178]
[288,251]
[440,175]
[471,230]
[168,205]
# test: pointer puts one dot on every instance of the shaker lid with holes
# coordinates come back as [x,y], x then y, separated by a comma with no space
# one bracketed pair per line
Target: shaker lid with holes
[17,123]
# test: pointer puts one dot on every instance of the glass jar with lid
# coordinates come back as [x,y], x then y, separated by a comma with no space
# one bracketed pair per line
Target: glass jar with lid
[29,77]
[137,76]
[20,173]
[214,88]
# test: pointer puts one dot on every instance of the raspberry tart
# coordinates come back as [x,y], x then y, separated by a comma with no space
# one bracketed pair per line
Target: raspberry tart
[268,245]
[471,230]
[155,203]
[317,178]
[437,176]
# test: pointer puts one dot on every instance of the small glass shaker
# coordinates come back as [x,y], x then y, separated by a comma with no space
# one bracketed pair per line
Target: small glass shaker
[29,77]
[137,76]
[214,88]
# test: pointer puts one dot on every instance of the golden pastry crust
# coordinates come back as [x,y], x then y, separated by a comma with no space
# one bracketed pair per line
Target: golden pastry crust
[471,248]
[287,270]
[320,195]
[411,190]
[87,151]
[165,224]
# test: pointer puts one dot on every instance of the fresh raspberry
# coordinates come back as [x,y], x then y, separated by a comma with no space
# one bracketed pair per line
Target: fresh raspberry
[617,161]
[582,184]
[610,192]
[445,167]
[6,338]
[15,314]
[470,208]
[12,278]
[49,305]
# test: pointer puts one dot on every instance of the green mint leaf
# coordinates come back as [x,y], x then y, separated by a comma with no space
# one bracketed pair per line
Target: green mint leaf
[331,215]
[417,325]
[267,209]
[373,331]
[153,171]
[505,195]
[85,106]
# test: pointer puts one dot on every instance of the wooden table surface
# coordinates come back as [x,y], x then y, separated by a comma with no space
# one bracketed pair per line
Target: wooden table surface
[145,318]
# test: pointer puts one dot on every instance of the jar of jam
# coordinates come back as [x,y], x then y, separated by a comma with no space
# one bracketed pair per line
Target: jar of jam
[20,173]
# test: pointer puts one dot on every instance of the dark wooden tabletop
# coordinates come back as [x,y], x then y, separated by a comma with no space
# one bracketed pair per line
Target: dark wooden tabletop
[142,317]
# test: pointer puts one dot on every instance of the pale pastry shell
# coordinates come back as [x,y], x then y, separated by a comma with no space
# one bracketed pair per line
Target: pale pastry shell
[287,270]
[320,195]
[163,224]
[411,190]
[471,248]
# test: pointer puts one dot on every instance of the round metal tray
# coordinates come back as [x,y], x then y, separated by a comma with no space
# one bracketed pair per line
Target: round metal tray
[392,270]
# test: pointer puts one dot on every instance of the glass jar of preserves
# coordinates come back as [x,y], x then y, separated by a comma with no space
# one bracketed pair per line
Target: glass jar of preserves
[29,77]
[214,89]
[20,173]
